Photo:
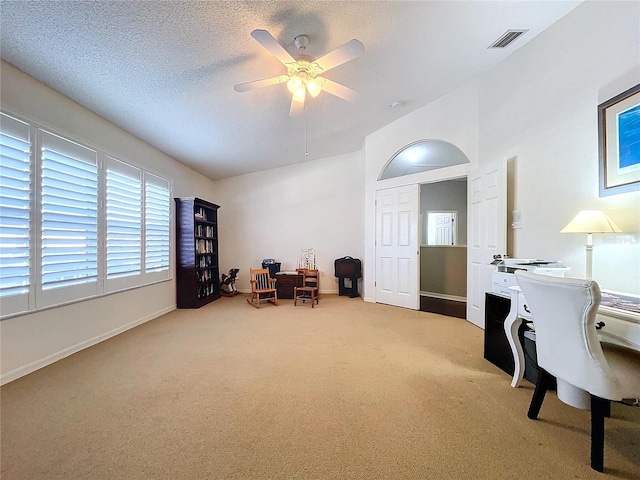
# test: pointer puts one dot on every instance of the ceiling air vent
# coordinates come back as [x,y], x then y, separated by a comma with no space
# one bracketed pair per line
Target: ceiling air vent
[507,39]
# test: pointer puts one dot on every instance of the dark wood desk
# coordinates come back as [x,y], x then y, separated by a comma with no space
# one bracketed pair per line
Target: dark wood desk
[287,282]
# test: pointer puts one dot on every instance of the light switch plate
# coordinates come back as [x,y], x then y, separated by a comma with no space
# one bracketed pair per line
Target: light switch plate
[516,217]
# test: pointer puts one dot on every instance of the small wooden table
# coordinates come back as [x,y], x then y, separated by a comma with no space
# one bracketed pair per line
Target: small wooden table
[287,281]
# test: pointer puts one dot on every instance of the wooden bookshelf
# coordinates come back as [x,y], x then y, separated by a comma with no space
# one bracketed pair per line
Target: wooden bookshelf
[197,265]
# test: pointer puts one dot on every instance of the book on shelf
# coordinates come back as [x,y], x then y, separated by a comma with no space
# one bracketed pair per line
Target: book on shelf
[200,214]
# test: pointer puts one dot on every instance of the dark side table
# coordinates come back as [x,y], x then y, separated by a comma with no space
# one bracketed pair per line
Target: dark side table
[287,282]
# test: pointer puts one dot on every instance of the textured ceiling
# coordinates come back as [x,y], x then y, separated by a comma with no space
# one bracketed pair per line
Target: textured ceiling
[165,70]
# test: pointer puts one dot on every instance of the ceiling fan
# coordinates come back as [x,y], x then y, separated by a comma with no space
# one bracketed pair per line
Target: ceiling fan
[303,72]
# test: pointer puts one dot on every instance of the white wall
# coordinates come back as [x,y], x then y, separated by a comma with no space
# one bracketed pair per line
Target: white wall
[540,105]
[31,341]
[276,213]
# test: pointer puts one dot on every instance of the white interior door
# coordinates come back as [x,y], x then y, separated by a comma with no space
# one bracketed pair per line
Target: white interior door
[487,234]
[442,232]
[397,249]
[444,235]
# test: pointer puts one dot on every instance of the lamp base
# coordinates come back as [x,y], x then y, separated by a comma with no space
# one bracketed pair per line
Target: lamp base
[589,249]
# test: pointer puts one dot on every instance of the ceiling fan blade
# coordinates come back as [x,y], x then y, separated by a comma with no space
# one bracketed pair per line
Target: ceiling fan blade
[243,87]
[341,91]
[265,39]
[350,50]
[297,106]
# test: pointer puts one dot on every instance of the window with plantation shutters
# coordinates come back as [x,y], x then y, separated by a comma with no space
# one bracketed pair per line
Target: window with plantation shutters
[123,223]
[15,225]
[75,223]
[157,198]
[69,218]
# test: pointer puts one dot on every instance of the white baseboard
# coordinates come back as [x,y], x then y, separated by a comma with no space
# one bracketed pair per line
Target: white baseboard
[443,296]
[49,359]
[322,292]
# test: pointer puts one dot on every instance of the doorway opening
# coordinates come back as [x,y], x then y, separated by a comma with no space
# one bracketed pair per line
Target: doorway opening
[443,249]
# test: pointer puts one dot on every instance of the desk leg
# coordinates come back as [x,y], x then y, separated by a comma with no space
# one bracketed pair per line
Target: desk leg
[511,326]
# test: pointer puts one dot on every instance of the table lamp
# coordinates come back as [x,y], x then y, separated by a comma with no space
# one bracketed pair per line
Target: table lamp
[590,222]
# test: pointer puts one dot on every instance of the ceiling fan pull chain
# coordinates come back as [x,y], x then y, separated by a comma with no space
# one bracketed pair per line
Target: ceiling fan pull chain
[306,120]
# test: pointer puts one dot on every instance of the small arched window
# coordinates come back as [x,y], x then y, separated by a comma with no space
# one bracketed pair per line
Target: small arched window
[421,156]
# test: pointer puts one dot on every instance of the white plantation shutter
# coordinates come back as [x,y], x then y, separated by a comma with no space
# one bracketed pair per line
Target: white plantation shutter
[123,223]
[157,197]
[15,224]
[69,205]
[75,223]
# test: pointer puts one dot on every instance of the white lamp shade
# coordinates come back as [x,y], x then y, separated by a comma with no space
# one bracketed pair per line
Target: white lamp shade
[591,221]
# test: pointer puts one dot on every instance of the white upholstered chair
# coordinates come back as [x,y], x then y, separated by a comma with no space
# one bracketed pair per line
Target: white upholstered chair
[589,373]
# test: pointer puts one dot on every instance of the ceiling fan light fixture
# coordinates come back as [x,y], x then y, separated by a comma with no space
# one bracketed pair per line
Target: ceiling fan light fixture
[315,86]
[303,70]
[299,94]
[295,83]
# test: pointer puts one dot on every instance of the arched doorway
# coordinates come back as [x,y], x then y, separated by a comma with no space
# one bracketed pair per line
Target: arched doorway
[437,268]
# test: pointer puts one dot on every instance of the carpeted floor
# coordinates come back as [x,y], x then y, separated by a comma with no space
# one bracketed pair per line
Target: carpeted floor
[348,390]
